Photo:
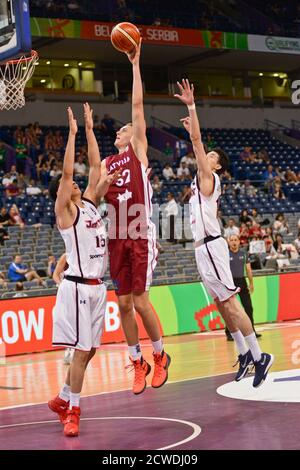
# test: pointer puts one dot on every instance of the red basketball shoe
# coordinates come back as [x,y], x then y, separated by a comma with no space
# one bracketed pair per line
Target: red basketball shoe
[59,406]
[161,364]
[71,428]
[141,370]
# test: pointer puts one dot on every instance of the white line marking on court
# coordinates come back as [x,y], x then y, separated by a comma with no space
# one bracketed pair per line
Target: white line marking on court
[121,390]
[195,427]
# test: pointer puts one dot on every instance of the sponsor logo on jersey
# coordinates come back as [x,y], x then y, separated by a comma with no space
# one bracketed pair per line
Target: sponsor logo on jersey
[91,224]
[119,163]
[96,256]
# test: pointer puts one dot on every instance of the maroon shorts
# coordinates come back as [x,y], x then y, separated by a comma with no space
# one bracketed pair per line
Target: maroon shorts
[132,263]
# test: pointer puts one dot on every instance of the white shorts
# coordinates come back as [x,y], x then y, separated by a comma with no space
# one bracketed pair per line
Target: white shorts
[214,268]
[78,315]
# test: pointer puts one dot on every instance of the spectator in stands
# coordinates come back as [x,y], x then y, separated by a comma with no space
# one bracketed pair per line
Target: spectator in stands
[171,211]
[37,130]
[256,217]
[80,167]
[269,174]
[210,142]
[5,219]
[21,155]
[190,161]
[255,231]
[268,239]
[51,265]
[186,194]
[181,148]
[58,140]
[33,189]
[55,172]
[232,229]
[279,173]
[3,234]
[12,189]
[18,134]
[278,245]
[291,176]
[263,156]
[156,185]
[15,217]
[20,291]
[8,178]
[246,154]
[19,272]
[278,192]
[3,283]
[49,141]
[246,189]
[297,242]
[2,156]
[108,125]
[244,234]
[280,225]
[168,150]
[183,173]
[244,217]
[168,173]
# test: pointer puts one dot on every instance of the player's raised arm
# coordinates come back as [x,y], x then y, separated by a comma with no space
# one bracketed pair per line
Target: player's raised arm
[93,155]
[139,140]
[191,124]
[64,193]
[105,181]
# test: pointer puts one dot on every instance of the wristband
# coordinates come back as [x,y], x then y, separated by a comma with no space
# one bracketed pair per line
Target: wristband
[191,106]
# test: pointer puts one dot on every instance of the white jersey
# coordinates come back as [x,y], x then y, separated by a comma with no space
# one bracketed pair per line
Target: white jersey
[86,243]
[203,210]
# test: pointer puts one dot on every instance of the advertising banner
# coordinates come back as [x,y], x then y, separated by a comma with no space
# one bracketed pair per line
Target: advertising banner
[26,323]
[160,35]
[273,44]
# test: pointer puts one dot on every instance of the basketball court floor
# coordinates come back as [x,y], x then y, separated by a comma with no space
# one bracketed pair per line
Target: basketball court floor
[199,408]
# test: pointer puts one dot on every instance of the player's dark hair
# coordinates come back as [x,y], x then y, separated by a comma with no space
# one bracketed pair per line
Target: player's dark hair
[53,187]
[223,160]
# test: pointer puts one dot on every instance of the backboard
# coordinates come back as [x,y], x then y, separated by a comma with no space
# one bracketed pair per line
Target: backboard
[15,37]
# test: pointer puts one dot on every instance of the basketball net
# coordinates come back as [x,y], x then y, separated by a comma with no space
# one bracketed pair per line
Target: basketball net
[14,74]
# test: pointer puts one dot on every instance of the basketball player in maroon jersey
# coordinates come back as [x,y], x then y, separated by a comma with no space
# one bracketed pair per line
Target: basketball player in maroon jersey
[132,238]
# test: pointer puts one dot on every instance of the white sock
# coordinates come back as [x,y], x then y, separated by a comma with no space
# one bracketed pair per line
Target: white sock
[135,351]
[240,342]
[64,394]
[74,399]
[158,345]
[254,346]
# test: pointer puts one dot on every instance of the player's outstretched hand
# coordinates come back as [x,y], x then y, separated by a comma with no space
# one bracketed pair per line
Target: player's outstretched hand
[88,116]
[134,57]
[112,177]
[187,92]
[72,122]
[186,123]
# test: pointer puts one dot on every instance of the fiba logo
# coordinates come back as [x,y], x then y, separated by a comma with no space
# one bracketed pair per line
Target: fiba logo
[271,44]
[296,93]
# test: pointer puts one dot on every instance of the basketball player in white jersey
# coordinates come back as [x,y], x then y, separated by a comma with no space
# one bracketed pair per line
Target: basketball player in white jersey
[132,249]
[212,254]
[81,299]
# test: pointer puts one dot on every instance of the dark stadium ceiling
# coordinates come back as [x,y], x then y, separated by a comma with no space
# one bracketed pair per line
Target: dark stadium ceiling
[103,52]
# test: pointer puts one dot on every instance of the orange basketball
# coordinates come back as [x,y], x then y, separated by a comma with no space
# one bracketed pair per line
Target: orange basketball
[125,37]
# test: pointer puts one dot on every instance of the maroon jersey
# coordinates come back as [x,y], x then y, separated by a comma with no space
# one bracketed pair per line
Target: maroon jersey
[130,196]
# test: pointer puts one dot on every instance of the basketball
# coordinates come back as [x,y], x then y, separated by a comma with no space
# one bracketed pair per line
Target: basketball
[125,37]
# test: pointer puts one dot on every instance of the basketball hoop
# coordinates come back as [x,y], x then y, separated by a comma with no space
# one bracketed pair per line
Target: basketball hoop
[14,74]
